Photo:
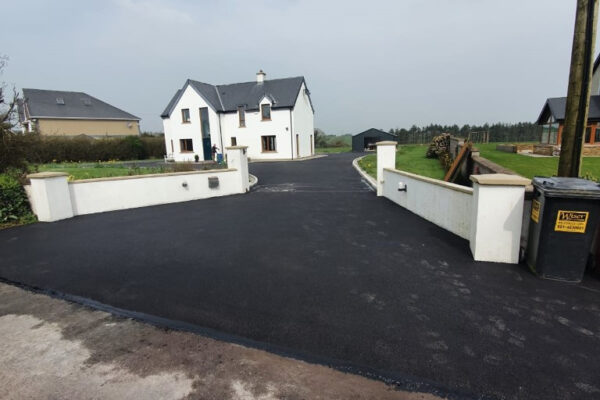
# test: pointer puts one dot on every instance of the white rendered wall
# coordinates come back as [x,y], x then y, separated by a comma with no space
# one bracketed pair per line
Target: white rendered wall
[445,204]
[303,124]
[278,126]
[108,194]
[53,198]
[175,129]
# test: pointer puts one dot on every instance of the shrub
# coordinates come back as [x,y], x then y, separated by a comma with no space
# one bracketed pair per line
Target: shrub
[14,205]
[19,149]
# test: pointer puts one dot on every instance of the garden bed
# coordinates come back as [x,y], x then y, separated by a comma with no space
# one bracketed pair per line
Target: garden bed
[78,171]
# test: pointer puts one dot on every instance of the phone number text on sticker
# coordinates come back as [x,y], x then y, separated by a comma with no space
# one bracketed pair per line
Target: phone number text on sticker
[571,221]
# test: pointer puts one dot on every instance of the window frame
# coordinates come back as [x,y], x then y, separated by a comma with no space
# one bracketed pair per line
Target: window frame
[233,141]
[262,112]
[241,116]
[183,119]
[265,140]
[183,145]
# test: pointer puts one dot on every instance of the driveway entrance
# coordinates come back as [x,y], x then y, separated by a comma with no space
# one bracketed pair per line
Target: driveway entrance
[312,264]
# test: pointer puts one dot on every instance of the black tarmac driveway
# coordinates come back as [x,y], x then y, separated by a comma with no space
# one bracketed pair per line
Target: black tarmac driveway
[312,263]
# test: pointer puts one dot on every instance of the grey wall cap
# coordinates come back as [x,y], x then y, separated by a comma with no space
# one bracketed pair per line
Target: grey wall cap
[46,175]
[236,148]
[500,180]
[386,143]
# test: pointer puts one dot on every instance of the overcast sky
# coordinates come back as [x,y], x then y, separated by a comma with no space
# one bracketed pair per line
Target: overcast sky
[384,64]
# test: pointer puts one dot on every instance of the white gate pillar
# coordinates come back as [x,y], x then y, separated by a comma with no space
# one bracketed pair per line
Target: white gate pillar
[497,217]
[386,158]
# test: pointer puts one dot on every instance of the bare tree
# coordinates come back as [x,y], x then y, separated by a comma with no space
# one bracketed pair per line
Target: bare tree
[12,148]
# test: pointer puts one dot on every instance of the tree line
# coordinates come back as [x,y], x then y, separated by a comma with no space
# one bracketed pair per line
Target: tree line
[498,132]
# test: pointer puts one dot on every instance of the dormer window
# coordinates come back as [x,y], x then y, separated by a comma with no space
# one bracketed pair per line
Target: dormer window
[60,100]
[242,116]
[185,115]
[265,111]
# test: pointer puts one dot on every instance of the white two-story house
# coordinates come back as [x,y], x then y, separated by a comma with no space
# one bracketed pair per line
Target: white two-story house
[274,118]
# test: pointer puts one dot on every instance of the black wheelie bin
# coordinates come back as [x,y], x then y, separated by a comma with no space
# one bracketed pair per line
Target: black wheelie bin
[564,215]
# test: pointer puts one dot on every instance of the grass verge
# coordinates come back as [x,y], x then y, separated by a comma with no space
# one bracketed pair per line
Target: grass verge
[409,158]
[529,167]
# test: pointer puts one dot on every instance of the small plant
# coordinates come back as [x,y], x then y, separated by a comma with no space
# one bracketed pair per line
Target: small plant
[197,157]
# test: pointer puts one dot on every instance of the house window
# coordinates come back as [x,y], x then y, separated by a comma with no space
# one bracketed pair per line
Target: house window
[185,115]
[234,141]
[268,143]
[204,122]
[186,145]
[265,110]
[242,116]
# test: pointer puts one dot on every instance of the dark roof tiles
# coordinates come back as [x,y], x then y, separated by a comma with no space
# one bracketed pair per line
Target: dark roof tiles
[227,98]
[61,104]
[556,107]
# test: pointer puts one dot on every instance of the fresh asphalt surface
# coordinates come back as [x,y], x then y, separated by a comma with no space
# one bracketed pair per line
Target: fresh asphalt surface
[312,261]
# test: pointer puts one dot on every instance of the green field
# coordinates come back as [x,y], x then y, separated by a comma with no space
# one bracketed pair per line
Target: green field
[409,158]
[529,167]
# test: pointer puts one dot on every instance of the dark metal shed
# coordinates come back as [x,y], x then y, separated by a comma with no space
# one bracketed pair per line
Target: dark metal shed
[366,140]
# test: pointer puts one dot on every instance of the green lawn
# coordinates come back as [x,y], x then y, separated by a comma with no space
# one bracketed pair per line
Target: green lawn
[329,150]
[79,171]
[534,166]
[409,158]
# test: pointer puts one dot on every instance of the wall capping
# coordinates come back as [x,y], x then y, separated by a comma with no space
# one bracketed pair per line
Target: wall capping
[500,180]
[46,175]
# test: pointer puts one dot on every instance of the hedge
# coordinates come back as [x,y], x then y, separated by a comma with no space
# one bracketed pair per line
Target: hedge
[36,149]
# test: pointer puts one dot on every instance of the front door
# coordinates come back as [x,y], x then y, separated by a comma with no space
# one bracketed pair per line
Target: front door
[205,131]
[206,146]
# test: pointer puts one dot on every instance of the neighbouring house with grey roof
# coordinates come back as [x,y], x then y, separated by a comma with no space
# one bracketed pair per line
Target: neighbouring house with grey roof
[61,113]
[273,118]
[552,119]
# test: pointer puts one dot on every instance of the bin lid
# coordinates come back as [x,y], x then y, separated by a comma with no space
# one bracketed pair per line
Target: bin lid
[566,187]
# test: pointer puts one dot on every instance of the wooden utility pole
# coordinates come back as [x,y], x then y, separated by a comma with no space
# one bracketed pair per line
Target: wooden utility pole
[578,95]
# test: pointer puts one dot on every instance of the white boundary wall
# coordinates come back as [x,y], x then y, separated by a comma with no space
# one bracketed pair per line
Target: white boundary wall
[445,204]
[53,198]
[489,215]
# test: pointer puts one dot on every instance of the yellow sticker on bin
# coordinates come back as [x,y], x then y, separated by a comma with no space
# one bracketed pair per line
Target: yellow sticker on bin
[535,211]
[571,221]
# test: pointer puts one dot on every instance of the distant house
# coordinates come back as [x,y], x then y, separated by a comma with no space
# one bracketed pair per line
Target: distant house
[60,113]
[366,140]
[552,119]
[274,118]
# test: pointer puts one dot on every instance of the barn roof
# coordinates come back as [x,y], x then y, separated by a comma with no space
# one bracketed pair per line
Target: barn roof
[375,132]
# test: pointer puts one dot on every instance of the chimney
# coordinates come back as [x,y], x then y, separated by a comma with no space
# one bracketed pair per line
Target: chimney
[260,76]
